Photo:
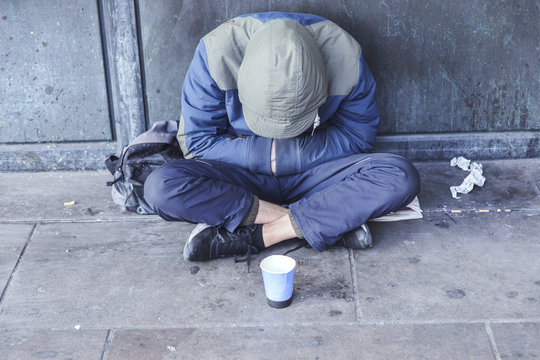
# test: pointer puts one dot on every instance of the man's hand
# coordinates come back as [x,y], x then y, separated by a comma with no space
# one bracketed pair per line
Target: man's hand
[273,158]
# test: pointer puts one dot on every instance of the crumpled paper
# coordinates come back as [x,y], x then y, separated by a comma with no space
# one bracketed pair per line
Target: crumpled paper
[475,176]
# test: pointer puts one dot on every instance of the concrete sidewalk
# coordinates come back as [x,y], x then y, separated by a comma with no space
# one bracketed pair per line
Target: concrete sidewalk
[89,281]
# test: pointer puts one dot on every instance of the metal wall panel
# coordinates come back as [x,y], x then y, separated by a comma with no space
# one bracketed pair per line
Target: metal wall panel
[454,78]
[440,66]
[170,34]
[52,81]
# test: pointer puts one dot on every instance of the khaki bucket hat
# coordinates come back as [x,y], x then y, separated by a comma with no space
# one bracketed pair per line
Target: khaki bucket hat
[282,80]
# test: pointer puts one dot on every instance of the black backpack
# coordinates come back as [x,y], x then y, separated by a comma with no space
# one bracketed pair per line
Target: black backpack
[139,158]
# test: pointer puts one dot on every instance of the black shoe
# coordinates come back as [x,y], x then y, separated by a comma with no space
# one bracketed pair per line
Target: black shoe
[208,242]
[359,238]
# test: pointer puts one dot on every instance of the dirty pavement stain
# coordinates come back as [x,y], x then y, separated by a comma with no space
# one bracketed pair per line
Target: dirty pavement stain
[511,294]
[442,224]
[91,212]
[194,269]
[456,294]
[317,341]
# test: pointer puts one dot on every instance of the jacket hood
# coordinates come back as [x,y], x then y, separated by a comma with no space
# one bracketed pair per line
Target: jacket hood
[282,80]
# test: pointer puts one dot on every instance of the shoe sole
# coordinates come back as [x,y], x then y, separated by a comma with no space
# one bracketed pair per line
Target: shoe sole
[359,239]
[188,248]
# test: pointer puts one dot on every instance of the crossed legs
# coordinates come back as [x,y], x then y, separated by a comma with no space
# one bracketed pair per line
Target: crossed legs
[276,223]
[325,202]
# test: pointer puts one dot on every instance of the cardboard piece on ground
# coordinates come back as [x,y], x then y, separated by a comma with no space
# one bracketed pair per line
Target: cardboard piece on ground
[409,212]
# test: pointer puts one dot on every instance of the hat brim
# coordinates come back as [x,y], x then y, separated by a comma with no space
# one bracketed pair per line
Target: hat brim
[276,129]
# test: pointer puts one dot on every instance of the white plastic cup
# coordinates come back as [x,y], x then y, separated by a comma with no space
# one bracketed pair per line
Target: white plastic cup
[278,276]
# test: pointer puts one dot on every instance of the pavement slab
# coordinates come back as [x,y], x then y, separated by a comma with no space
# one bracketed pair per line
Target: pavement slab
[465,266]
[517,341]
[41,197]
[448,341]
[46,344]
[117,275]
[510,184]
[91,280]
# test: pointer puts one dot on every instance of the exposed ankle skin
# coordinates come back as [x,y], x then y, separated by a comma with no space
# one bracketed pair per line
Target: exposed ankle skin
[278,230]
[269,212]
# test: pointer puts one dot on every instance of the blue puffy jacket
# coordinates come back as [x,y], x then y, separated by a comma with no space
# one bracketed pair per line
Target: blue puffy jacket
[212,125]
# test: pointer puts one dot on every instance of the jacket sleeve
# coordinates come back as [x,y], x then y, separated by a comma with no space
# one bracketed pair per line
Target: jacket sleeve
[351,130]
[203,126]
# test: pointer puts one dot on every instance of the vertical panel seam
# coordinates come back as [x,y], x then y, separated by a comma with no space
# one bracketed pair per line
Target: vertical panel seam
[138,31]
[106,66]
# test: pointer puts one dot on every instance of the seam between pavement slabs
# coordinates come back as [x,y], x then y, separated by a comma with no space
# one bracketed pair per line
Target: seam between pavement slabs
[16,267]
[231,325]
[359,314]
[492,342]
[107,345]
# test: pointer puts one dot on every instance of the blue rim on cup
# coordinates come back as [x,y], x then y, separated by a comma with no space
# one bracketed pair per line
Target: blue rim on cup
[278,276]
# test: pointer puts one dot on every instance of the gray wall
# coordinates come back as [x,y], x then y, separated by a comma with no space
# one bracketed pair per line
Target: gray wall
[52,80]
[454,78]
[440,66]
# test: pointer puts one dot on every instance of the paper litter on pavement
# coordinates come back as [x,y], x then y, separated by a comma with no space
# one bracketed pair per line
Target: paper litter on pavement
[475,176]
[461,162]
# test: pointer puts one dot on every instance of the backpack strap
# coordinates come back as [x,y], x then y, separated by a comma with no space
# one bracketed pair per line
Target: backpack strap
[111,163]
[111,183]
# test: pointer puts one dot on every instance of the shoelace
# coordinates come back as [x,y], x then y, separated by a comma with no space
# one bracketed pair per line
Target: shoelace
[247,256]
[301,244]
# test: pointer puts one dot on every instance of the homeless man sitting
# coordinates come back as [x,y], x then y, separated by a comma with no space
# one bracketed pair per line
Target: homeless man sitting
[278,118]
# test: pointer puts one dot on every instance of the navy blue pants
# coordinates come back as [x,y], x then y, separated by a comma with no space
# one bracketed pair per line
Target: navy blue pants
[325,202]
